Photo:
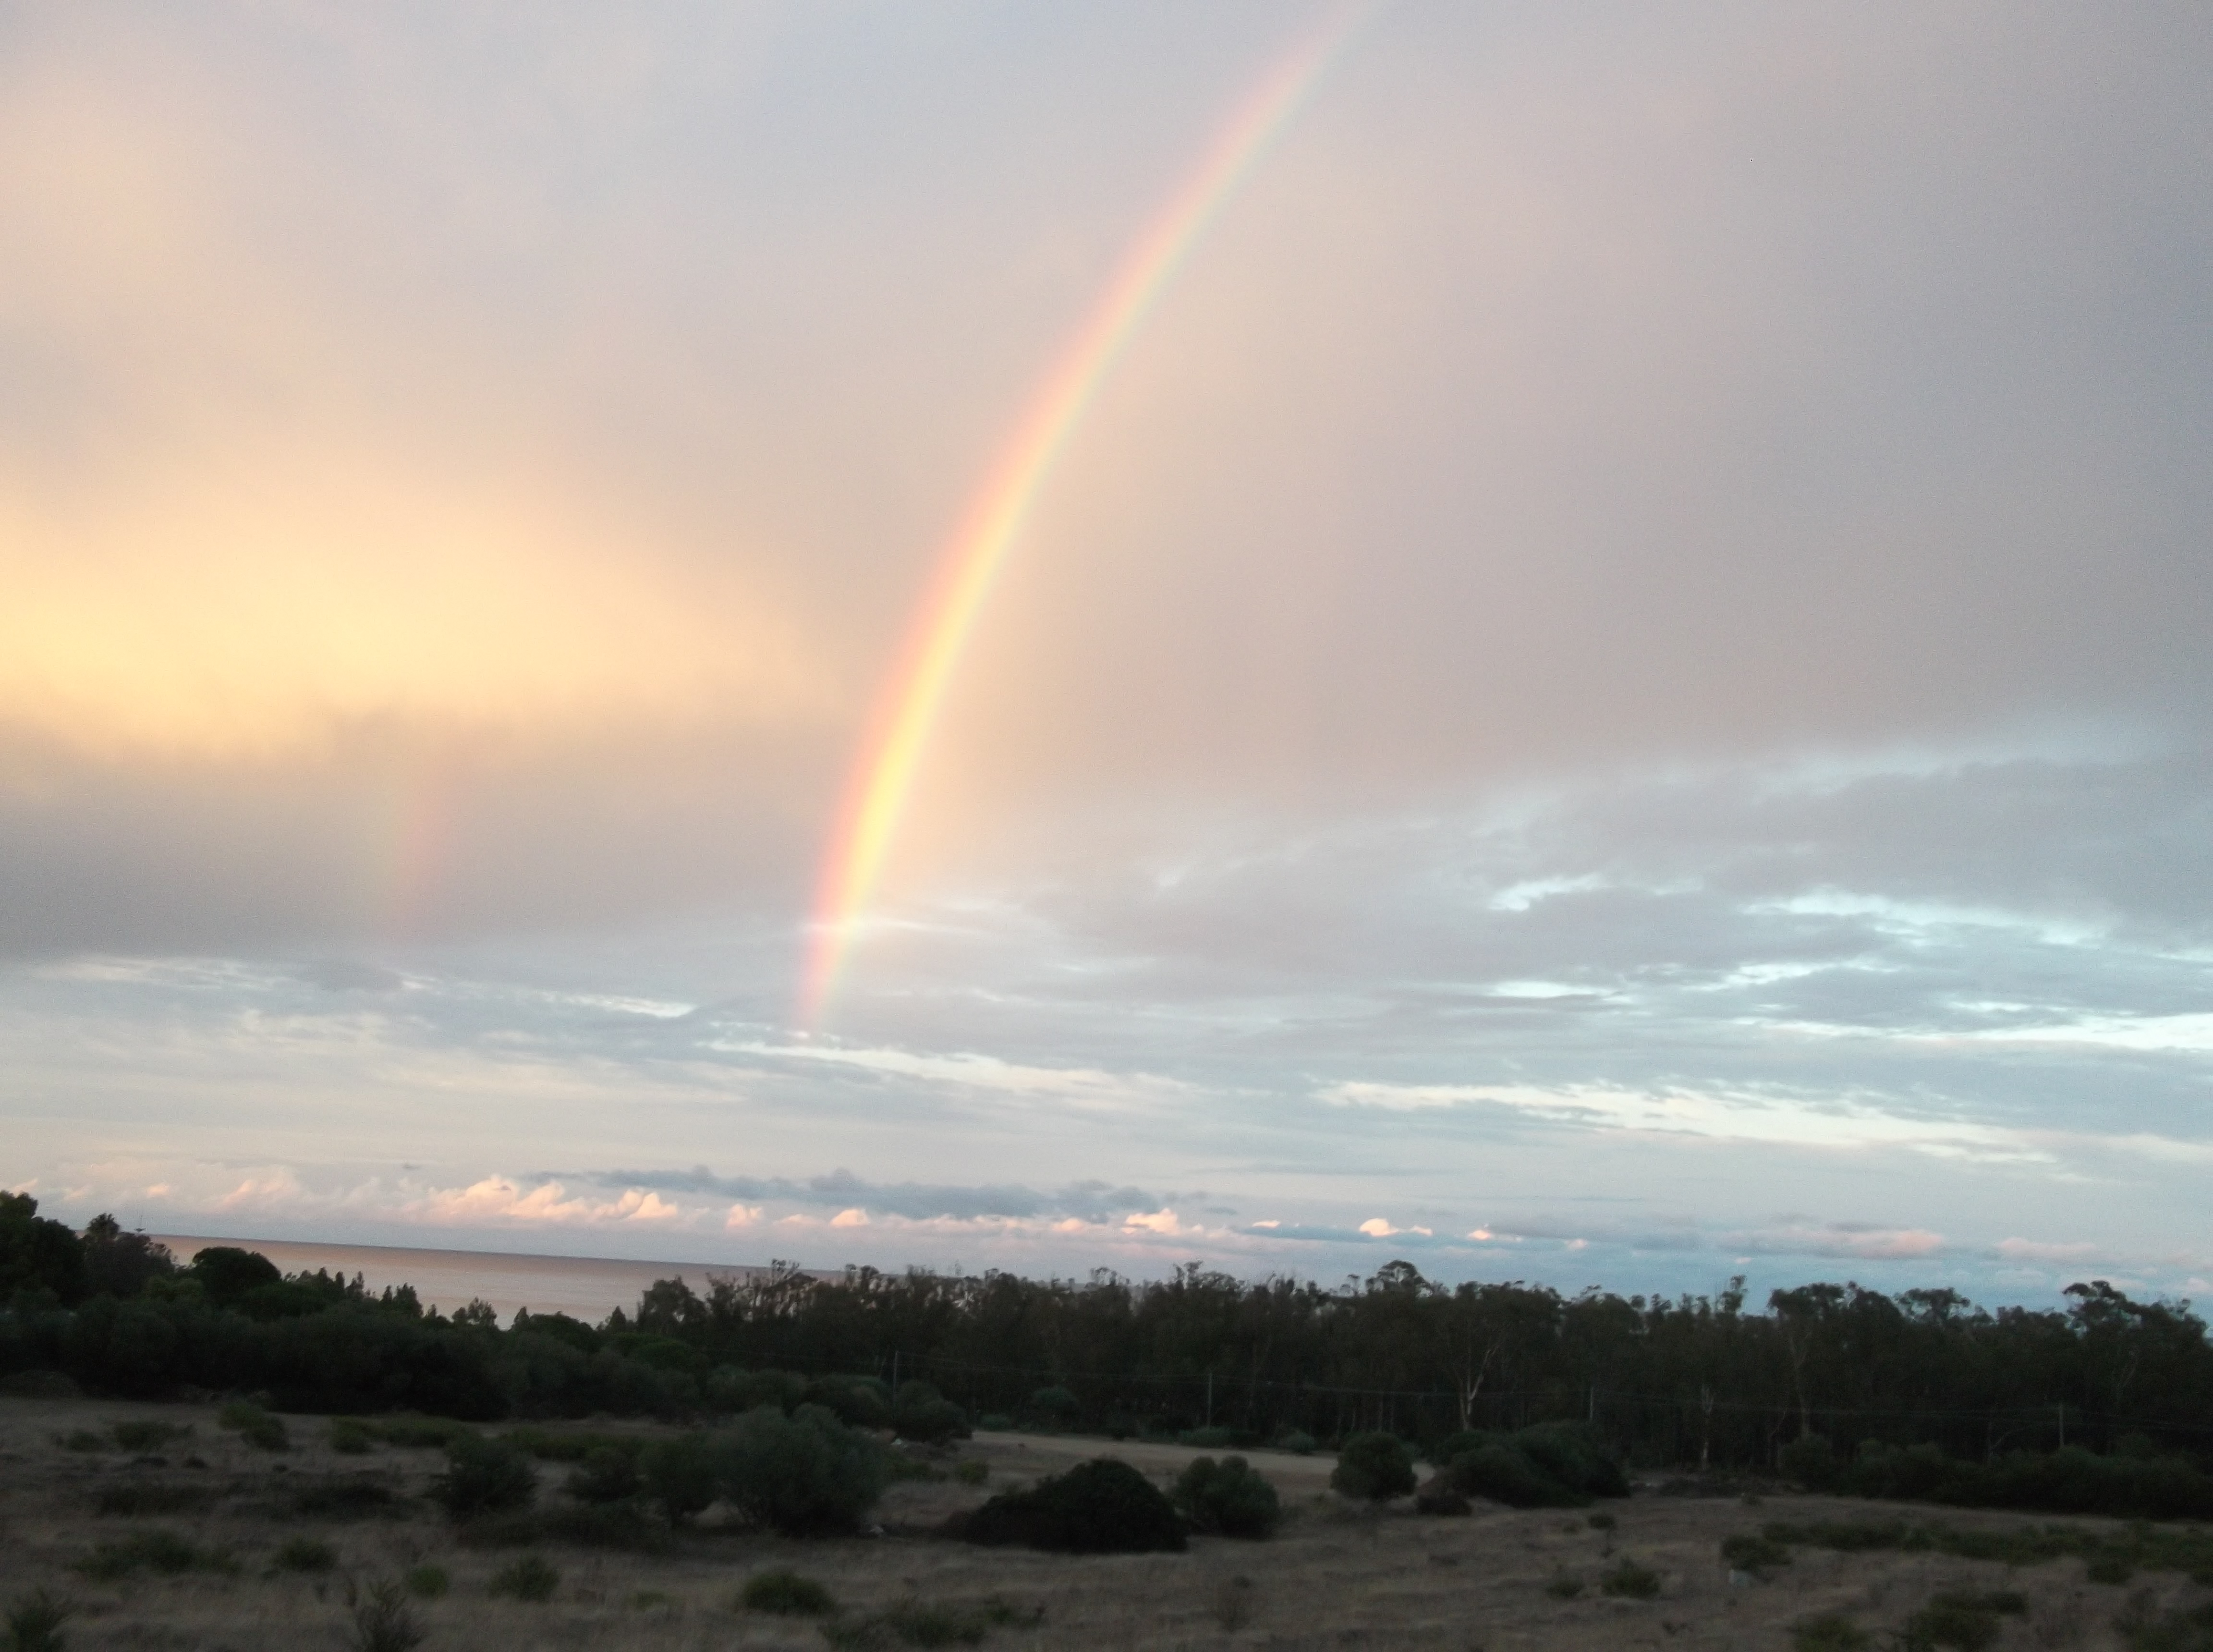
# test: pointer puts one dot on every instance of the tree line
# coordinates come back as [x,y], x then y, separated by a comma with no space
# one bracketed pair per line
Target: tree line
[1692,1382]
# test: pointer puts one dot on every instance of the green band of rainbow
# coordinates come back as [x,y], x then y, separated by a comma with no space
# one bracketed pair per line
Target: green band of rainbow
[890,756]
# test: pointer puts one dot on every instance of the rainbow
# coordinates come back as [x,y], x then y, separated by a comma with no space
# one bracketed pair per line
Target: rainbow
[891,754]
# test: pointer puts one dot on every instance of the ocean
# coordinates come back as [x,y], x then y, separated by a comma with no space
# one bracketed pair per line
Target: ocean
[587,1287]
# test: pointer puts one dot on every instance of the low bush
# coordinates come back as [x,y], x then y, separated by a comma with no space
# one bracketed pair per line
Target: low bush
[622,1525]
[1630,1580]
[1055,1405]
[1208,1439]
[787,1593]
[532,1577]
[920,1412]
[1101,1507]
[1830,1631]
[380,1619]
[483,1476]
[349,1436]
[34,1622]
[1750,1552]
[605,1475]
[142,1434]
[1299,1441]
[1810,1461]
[1226,1499]
[805,1475]
[971,1471]
[1967,1621]
[1504,1475]
[134,1497]
[343,1497]
[305,1554]
[1564,1585]
[255,1426]
[679,1475]
[427,1582]
[83,1440]
[156,1551]
[1376,1467]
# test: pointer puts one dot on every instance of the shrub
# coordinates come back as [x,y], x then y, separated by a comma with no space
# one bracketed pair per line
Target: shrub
[1831,1631]
[1000,1423]
[2114,1568]
[532,1577]
[1441,1454]
[254,1425]
[1438,1499]
[787,1593]
[35,1620]
[1564,1585]
[151,1497]
[679,1476]
[920,1412]
[1056,1404]
[859,1402]
[305,1554]
[349,1435]
[342,1497]
[971,1471]
[382,1619]
[146,1434]
[427,1582]
[1227,1497]
[156,1551]
[483,1476]
[1504,1475]
[1375,1465]
[1630,1580]
[1101,1507]
[1747,1552]
[1297,1440]
[1572,1455]
[1811,1461]
[1208,1439]
[605,1475]
[82,1440]
[805,1474]
[1967,1621]
[1605,1522]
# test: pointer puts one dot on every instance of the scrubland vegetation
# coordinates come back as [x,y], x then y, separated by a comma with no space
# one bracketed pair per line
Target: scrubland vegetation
[213,1437]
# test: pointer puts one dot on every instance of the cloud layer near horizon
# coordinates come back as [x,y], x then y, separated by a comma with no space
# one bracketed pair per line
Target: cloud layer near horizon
[1630,630]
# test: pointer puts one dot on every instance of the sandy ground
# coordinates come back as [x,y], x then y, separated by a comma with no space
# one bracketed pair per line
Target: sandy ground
[1337,1577]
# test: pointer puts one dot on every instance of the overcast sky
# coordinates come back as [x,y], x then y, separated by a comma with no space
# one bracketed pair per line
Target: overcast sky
[1614,688]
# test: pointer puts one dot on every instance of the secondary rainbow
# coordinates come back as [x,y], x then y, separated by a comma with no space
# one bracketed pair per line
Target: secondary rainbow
[892,753]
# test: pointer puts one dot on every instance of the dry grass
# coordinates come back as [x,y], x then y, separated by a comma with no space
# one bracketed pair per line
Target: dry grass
[1337,1577]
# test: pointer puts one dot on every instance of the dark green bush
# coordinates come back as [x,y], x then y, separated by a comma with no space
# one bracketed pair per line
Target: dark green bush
[1208,1439]
[679,1475]
[1967,1621]
[156,1551]
[381,1619]
[605,1475]
[1101,1507]
[1749,1552]
[1376,1467]
[34,1622]
[1830,1631]
[305,1554]
[1573,1455]
[342,1497]
[859,1402]
[1811,1461]
[147,1434]
[1630,1580]
[786,1593]
[1504,1475]
[805,1475]
[971,1471]
[133,1497]
[1055,1405]
[349,1436]
[1226,1499]
[532,1577]
[255,1426]
[920,1412]
[483,1476]
[1303,1444]
[427,1582]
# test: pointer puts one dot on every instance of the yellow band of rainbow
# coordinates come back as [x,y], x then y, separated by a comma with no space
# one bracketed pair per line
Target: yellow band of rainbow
[890,756]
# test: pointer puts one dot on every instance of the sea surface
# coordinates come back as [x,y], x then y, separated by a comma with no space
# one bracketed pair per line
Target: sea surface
[587,1287]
